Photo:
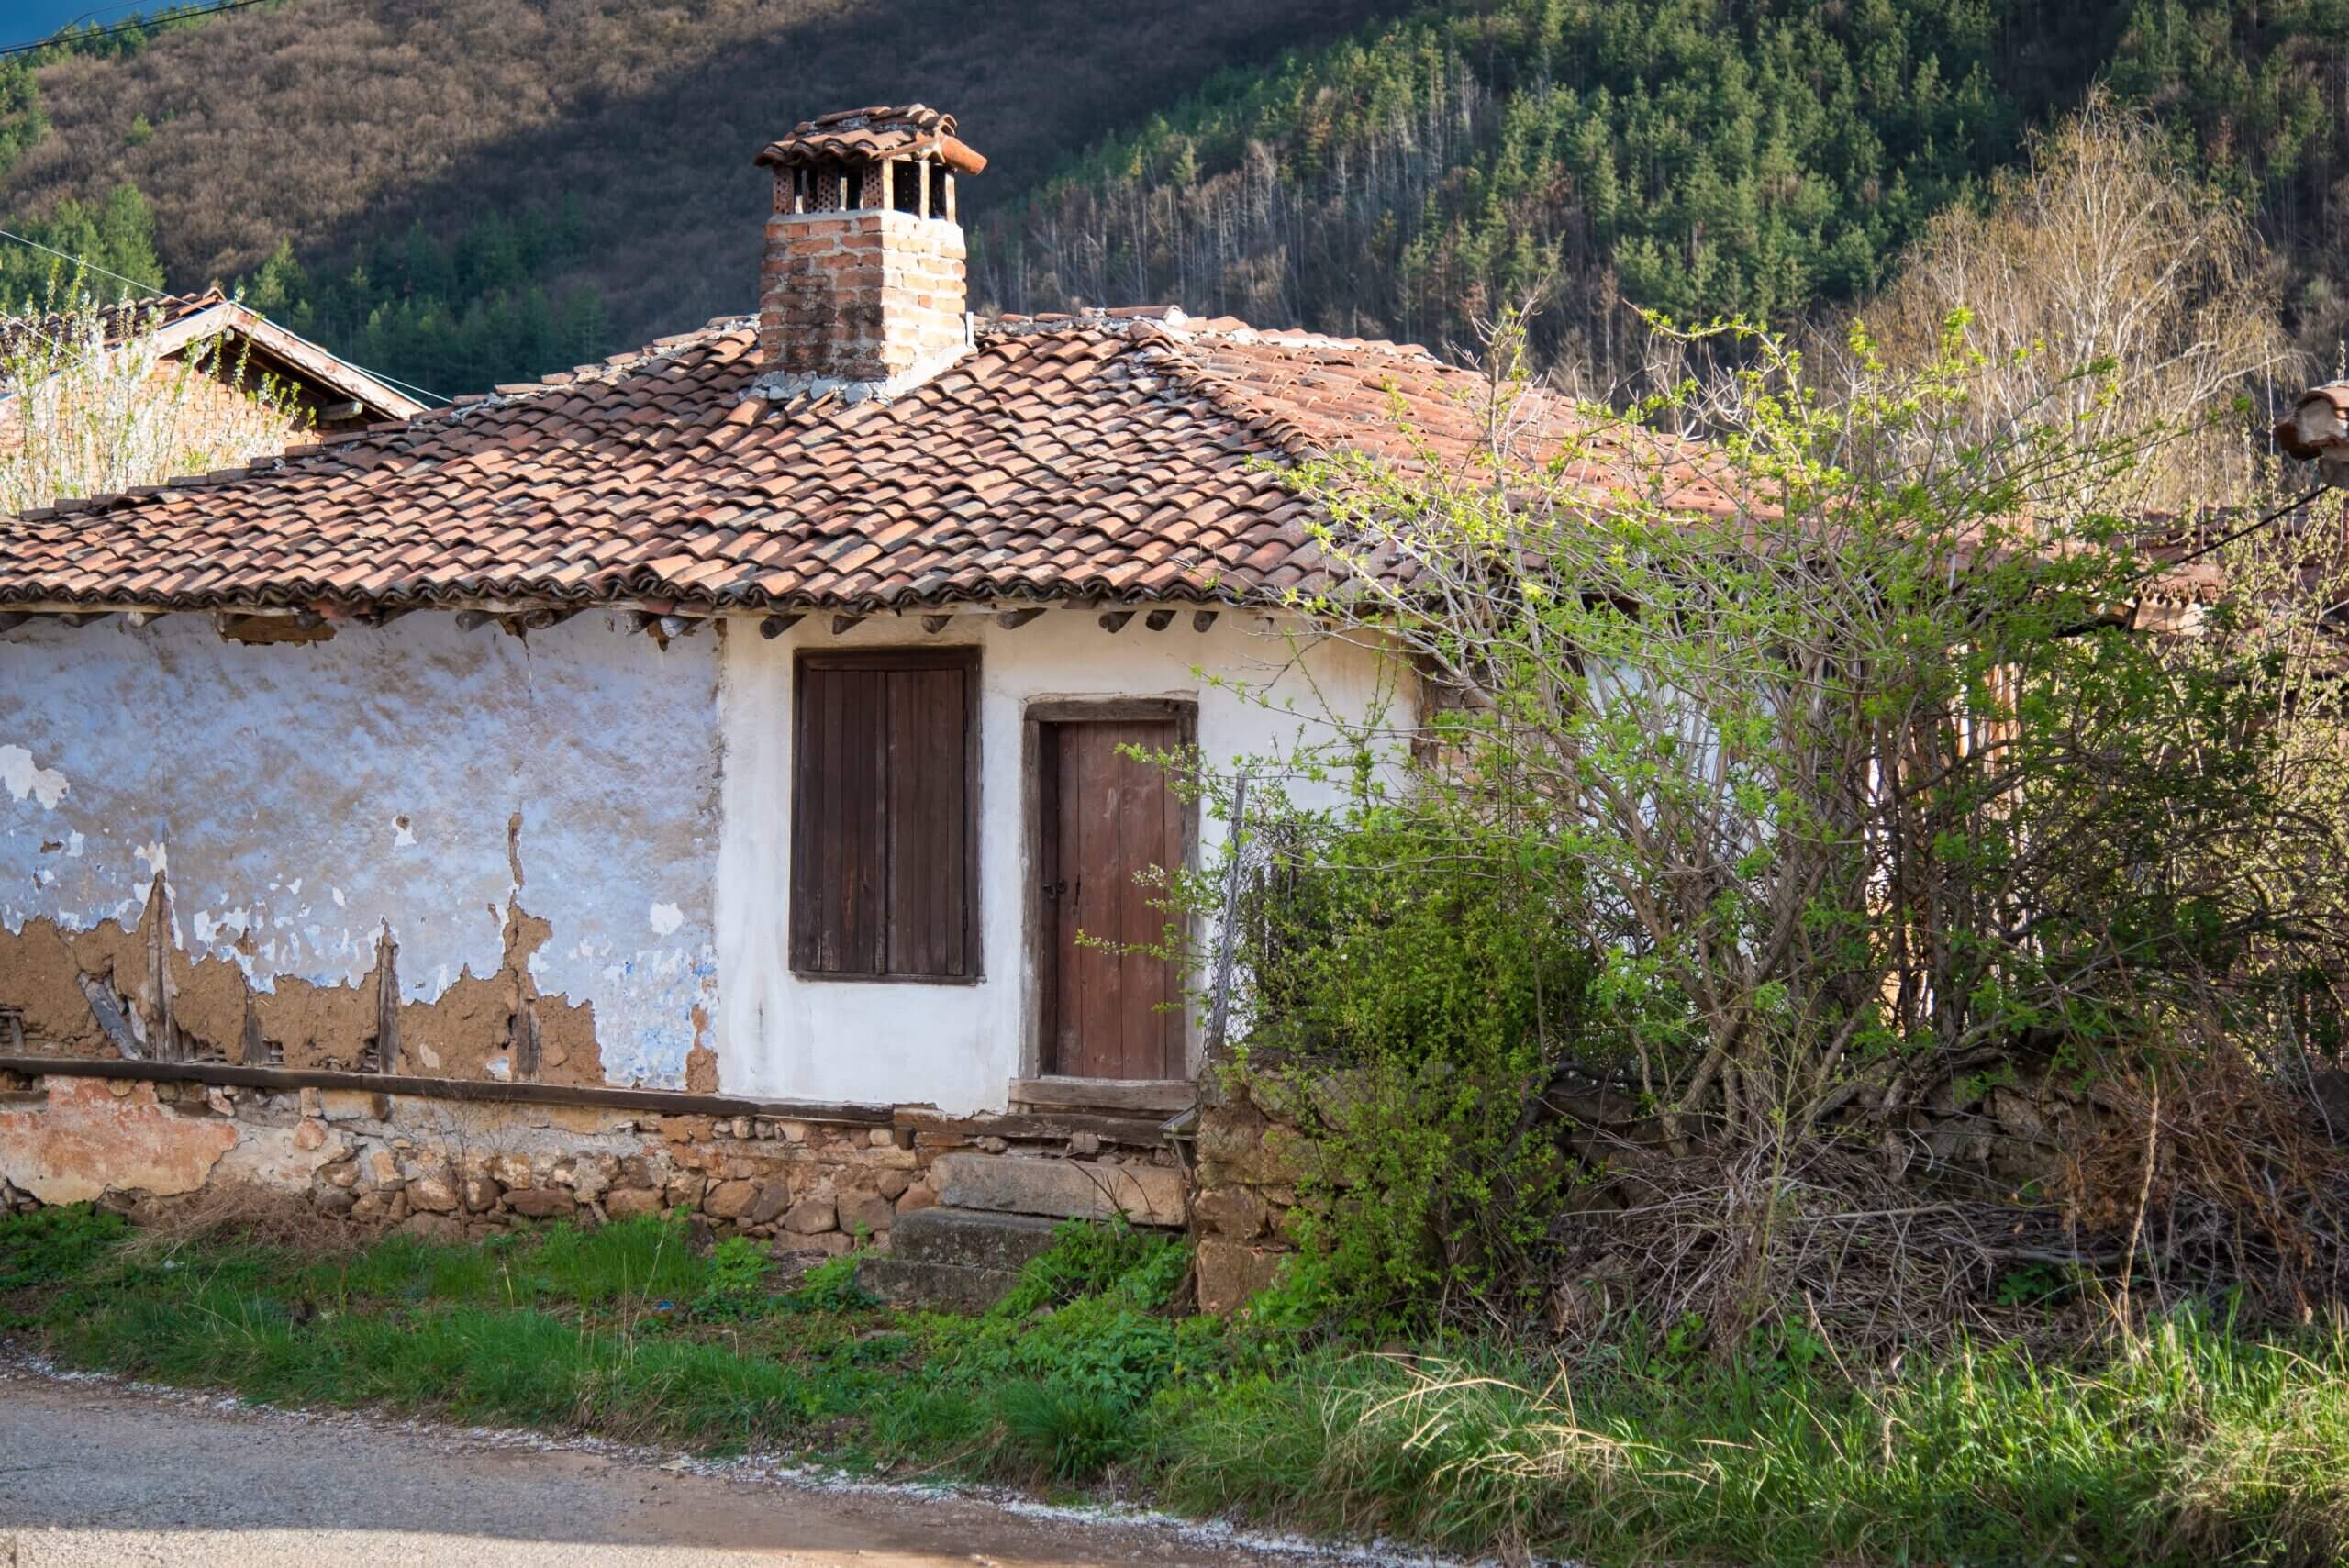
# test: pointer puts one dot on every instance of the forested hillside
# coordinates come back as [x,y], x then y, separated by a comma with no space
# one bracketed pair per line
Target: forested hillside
[1765,157]
[460,191]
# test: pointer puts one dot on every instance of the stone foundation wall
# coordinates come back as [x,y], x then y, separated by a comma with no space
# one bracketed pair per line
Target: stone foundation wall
[1967,1133]
[1244,1200]
[449,1168]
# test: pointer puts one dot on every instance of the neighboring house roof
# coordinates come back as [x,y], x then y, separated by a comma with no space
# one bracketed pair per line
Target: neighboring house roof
[1123,456]
[179,320]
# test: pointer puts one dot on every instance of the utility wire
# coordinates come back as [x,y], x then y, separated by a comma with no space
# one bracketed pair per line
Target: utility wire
[136,25]
[151,288]
[139,24]
[79,261]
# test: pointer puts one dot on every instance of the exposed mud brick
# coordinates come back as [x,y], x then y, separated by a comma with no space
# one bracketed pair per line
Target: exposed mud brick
[1232,1272]
[1146,1194]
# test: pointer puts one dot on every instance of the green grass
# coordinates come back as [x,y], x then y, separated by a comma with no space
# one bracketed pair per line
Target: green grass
[2195,1446]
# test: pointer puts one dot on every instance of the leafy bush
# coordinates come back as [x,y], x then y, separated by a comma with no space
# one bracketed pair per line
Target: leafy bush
[1408,1003]
[735,1285]
[1097,1256]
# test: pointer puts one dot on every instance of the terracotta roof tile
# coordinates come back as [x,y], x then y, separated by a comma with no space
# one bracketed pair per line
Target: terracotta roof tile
[1106,455]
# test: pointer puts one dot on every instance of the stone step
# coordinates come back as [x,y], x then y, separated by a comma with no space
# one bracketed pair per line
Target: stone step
[1065,1189]
[918,1282]
[971,1238]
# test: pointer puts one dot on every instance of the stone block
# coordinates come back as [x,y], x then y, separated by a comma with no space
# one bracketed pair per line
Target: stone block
[774,1197]
[432,1194]
[954,1287]
[867,1211]
[630,1203]
[686,1192]
[1236,1212]
[968,1239]
[1146,1194]
[811,1216]
[730,1200]
[1232,1272]
[543,1203]
[831,1243]
[892,1184]
[915,1198]
[354,1104]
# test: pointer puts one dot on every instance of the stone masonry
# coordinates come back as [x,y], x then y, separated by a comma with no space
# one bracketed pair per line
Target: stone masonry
[448,1169]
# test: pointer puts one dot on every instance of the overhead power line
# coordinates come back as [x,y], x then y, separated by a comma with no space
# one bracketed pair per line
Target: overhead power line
[79,261]
[136,25]
[151,288]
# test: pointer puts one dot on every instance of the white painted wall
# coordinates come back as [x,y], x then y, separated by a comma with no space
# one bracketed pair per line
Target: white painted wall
[653,791]
[309,792]
[961,1045]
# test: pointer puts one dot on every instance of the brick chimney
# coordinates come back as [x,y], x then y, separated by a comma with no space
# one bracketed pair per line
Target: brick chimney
[863,285]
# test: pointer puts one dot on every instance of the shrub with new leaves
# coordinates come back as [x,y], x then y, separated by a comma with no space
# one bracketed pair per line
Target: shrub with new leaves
[91,404]
[1838,747]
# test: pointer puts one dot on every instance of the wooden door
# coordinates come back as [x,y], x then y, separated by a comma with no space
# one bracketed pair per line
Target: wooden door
[1105,818]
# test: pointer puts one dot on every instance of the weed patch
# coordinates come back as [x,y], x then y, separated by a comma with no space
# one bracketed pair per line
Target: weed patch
[2194,1445]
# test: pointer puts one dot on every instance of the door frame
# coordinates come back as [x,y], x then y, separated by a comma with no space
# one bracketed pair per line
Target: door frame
[1183,711]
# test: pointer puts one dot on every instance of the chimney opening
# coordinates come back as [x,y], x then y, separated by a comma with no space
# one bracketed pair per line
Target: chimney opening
[905,187]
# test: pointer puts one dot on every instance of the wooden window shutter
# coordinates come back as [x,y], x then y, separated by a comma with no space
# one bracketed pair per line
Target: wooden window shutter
[884,832]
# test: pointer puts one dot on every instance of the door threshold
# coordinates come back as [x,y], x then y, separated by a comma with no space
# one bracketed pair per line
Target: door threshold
[1163,1097]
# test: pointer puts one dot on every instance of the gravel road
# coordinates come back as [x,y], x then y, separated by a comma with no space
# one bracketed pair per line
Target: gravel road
[94,1473]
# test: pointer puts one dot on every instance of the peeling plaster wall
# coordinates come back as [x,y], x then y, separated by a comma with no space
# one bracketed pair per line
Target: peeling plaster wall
[498,805]
[960,1046]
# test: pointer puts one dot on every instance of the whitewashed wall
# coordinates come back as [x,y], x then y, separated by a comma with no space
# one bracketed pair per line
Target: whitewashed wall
[308,792]
[961,1045]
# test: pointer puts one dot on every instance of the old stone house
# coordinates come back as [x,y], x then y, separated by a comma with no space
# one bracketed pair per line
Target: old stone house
[681,780]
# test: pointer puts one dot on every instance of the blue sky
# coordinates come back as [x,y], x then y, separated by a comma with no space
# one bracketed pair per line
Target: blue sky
[25,21]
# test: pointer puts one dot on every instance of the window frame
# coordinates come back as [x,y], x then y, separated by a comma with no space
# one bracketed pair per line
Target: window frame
[964,658]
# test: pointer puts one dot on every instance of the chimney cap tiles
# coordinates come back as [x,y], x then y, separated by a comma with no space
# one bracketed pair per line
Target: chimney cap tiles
[871,136]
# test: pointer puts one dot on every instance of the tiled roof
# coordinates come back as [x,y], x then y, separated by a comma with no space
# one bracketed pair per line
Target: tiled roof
[121,320]
[1117,456]
[864,136]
